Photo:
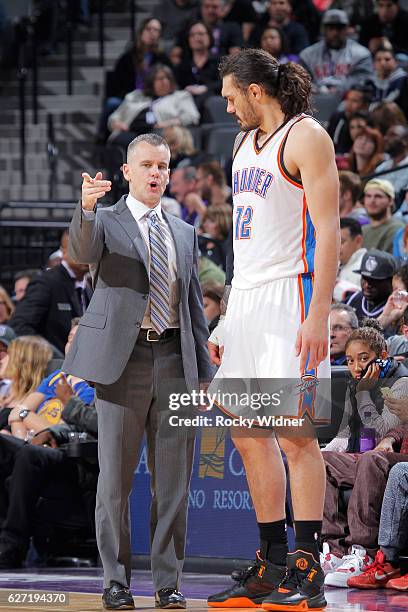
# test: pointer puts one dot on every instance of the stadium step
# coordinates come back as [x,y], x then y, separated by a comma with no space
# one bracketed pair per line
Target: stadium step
[75,117]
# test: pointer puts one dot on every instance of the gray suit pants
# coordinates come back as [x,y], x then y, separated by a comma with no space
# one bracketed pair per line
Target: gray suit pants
[138,402]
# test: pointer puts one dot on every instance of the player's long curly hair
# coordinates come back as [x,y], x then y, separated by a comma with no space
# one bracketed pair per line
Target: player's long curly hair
[289,83]
[28,357]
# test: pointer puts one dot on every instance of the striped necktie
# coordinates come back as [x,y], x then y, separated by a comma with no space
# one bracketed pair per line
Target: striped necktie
[159,274]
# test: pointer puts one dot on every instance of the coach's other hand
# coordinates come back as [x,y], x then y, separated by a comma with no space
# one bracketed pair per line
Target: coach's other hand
[93,189]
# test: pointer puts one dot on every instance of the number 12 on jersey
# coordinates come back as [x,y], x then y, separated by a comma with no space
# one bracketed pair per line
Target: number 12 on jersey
[243,227]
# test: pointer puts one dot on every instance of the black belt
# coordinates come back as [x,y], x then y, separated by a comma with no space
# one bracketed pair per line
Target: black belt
[149,335]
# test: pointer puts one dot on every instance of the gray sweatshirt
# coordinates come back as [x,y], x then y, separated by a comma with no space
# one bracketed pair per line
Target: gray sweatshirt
[338,68]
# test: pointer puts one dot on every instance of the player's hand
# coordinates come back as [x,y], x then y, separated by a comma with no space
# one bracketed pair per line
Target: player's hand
[216,353]
[93,189]
[312,340]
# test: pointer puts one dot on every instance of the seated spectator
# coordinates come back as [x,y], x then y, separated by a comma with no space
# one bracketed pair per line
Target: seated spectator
[350,193]
[356,99]
[379,202]
[390,568]
[21,281]
[388,78]
[400,248]
[212,184]
[351,256]
[273,41]
[215,227]
[212,296]
[279,15]
[398,343]
[392,315]
[343,321]
[41,469]
[175,15]
[183,186]
[241,12]
[6,306]
[396,146]
[7,335]
[209,272]
[358,122]
[377,270]
[132,68]
[24,365]
[353,532]
[387,114]
[226,35]
[52,300]
[44,406]
[158,106]
[389,20]
[337,62]
[198,70]
[366,152]
[183,153]
[364,408]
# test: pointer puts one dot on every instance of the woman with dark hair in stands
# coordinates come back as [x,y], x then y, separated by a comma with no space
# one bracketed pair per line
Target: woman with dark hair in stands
[351,532]
[367,152]
[371,368]
[158,106]
[198,70]
[132,68]
[273,41]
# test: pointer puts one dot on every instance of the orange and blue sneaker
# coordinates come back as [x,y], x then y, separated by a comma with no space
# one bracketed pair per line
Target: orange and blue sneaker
[376,575]
[253,586]
[399,584]
[302,588]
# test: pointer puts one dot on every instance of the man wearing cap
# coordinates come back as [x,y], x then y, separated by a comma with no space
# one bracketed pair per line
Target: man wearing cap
[336,62]
[7,335]
[377,270]
[378,202]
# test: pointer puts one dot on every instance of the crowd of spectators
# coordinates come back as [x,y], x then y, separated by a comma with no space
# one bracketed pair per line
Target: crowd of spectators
[357,55]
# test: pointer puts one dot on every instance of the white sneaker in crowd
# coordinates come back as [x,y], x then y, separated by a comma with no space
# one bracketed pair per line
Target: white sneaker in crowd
[351,565]
[329,561]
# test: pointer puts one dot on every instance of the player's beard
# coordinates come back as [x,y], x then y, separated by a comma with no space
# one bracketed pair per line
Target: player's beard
[250,120]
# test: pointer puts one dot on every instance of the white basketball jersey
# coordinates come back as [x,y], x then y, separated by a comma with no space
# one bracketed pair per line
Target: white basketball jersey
[273,234]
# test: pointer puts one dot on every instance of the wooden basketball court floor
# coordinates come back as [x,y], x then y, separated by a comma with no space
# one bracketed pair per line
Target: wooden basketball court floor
[84,587]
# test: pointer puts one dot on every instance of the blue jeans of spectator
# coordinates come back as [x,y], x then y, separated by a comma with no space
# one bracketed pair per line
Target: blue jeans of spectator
[393,534]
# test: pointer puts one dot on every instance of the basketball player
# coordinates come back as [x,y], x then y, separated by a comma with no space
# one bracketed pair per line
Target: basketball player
[286,249]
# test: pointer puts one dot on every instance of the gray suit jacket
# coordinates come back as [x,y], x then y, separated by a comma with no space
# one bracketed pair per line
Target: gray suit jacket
[113,245]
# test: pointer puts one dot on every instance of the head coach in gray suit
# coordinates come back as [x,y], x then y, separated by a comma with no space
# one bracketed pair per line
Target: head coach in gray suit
[144,327]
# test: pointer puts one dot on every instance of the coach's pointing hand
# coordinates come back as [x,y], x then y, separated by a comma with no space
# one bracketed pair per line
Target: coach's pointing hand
[93,189]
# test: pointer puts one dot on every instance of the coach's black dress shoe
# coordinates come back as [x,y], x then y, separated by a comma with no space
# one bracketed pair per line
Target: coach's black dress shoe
[117,597]
[170,598]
